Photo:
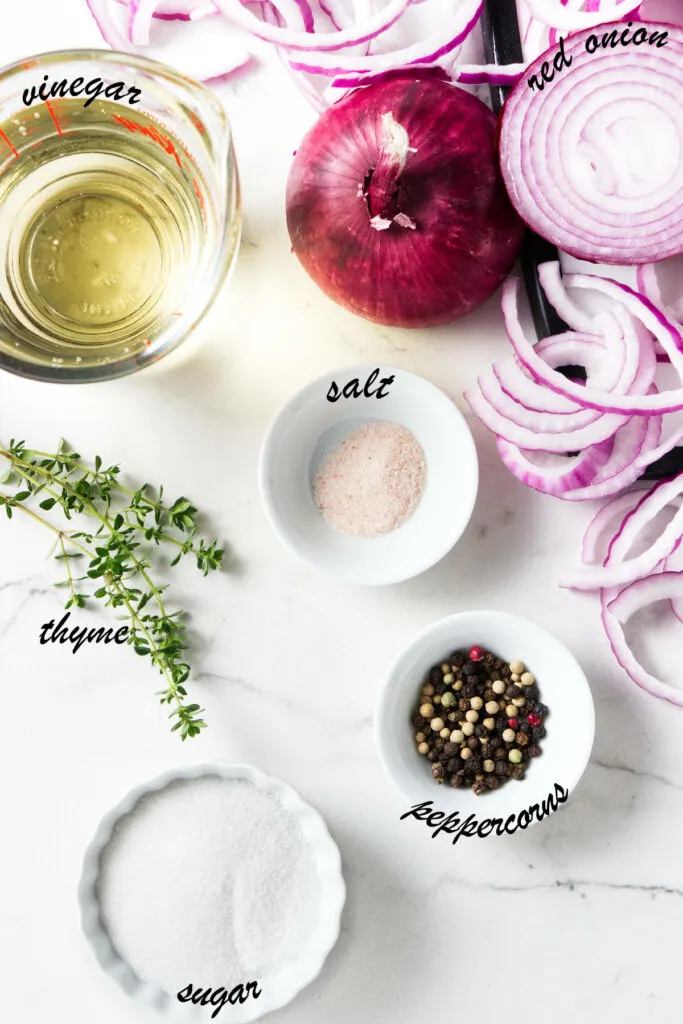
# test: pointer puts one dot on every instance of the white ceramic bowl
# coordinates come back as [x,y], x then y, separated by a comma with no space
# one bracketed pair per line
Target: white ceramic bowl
[278,989]
[309,427]
[563,688]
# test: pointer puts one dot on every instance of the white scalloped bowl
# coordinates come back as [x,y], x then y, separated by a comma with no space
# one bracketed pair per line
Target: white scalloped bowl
[278,989]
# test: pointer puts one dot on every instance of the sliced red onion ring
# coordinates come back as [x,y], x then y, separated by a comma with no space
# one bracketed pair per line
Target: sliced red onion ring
[208,50]
[632,442]
[619,570]
[559,476]
[294,39]
[591,398]
[111,23]
[595,545]
[488,74]
[599,185]
[140,14]
[616,613]
[662,449]
[665,329]
[560,17]
[429,51]
[556,292]
[532,440]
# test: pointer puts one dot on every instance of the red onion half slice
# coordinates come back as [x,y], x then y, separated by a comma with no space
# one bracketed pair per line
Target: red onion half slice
[619,570]
[592,158]
[618,610]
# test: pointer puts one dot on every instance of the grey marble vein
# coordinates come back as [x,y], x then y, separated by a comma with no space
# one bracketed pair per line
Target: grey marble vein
[294,706]
[638,773]
[571,885]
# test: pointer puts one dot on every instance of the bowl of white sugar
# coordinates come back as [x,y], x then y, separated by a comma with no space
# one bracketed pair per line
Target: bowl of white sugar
[369,475]
[212,892]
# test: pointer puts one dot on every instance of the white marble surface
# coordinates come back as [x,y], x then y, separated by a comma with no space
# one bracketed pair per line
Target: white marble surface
[577,920]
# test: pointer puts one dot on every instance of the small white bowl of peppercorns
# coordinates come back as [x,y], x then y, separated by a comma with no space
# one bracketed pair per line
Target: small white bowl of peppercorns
[484,712]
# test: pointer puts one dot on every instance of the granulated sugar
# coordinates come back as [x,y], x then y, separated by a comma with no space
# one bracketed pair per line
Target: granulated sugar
[209,882]
[373,481]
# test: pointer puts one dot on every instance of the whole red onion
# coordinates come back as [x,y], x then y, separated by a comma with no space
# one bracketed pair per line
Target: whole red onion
[396,206]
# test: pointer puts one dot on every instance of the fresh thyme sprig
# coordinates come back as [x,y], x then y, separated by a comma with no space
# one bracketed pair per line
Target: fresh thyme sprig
[129,524]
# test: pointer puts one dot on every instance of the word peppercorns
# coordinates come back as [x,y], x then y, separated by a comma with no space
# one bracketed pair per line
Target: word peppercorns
[488,724]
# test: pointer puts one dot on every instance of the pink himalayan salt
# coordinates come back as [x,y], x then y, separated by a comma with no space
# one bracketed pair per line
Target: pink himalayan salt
[372,481]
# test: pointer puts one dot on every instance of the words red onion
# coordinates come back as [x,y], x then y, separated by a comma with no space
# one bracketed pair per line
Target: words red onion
[396,207]
[591,141]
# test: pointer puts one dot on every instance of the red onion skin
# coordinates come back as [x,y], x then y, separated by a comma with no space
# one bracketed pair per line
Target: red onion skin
[466,236]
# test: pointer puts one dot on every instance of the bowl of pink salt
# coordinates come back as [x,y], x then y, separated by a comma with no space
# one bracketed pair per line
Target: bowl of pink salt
[369,475]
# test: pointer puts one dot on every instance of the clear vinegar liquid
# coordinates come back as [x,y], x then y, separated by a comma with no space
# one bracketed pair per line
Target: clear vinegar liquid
[102,226]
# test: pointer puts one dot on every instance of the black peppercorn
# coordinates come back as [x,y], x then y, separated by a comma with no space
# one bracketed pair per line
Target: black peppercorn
[450,748]
[517,771]
[473,743]
[438,772]
[457,781]
[474,766]
[534,750]
[478,788]
[501,768]
[452,764]
[538,732]
[417,721]
[463,704]
[522,739]
[540,710]
[480,730]
[492,782]
[433,755]
[435,676]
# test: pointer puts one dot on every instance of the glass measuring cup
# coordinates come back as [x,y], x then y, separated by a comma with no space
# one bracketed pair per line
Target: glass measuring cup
[119,213]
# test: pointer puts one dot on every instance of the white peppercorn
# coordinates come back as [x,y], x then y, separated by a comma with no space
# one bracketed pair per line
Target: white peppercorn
[457,736]
[472,716]
[448,678]
[498,686]
[436,699]
[490,724]
[517,667]
[519,702]
[437,724]
[445,733]
[428,689]
[511,710]
[467,728]
[526,679]
[515,755]
[457,685]
[514,677]
[423,748]
[492,707]
[446,667]
[488,766]
[476,703]
[420,737]
[426,710]
[465,753]
[509,735]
